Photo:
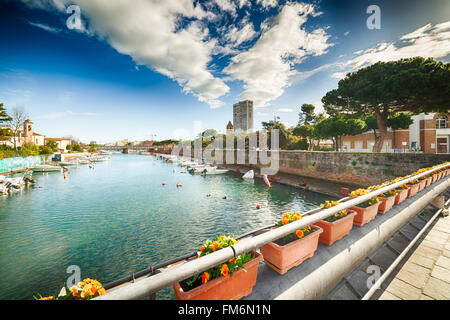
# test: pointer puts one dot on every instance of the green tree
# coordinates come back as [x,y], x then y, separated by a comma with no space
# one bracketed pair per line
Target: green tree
[286,137]
[305,131]
[413,85]
[306,115]
[44,150]
[336,127]
[52,145]
[77,148]
[4,117]
[395,121]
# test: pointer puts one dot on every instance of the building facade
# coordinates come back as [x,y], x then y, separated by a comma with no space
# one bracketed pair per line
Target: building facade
[243,116]
[429,133]
[24,135]
[61,143]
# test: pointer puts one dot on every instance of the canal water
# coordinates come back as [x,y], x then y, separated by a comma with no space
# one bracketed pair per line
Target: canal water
[118,218]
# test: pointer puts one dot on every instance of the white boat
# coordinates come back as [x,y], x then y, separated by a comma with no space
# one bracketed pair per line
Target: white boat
[99,159]
[214,170]
[3,188]
[46,168]
[68,163]
[83,161]
[14,184]
[249,175]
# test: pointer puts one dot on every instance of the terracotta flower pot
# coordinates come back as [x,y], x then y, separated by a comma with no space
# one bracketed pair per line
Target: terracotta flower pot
[422,184]
[386,204]
[336,230]
[413,189]
[365,215]
[401,196]
[428,181]
[283,258]
[434,178]
[230,287]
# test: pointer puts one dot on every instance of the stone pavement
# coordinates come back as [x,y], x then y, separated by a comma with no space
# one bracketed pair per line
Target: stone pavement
[426,273]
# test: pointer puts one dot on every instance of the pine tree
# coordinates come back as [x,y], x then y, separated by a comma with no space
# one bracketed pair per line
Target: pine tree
[4,117]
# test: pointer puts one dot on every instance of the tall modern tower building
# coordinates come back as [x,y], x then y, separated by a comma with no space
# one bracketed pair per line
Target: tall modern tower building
[243,116]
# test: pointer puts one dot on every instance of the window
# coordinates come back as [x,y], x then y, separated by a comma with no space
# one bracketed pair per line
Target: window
[441,122]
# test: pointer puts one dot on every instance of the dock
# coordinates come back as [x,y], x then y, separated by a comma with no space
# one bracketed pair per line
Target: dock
[14,172]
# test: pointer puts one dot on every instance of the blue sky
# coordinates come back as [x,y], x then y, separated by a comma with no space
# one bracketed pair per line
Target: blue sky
[136,69]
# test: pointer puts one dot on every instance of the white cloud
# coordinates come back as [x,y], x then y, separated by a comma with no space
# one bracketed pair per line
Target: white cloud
[148,31]
[227,5]
[427,42]
[285,110]
[338,75]
[63,114]
[244,3]
[346,33]
[267,3]
[238,36]
[45,27]
[268,67]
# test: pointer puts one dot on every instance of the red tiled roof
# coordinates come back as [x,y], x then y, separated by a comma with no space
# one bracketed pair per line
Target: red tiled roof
[37,134]
[57,139]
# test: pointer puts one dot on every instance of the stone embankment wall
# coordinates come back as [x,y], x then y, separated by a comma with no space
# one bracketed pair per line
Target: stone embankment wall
[360,169]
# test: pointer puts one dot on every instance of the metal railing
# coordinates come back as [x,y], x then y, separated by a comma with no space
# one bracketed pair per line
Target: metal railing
[182,271]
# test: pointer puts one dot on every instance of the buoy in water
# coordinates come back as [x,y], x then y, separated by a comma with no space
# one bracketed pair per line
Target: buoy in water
[163,183]
[64,177]
[179,185]
[224,197]
[258,207]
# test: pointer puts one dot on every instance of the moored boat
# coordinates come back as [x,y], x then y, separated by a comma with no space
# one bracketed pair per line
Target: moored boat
[46,168]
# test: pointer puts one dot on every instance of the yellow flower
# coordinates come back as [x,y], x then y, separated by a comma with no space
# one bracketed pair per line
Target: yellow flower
[48,298]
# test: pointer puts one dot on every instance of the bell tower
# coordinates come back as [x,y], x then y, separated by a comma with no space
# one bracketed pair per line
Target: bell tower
[28,131]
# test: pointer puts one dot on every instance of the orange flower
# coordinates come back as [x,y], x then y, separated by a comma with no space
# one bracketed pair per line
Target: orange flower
[92,290]
[215,245]
[295,218]
[205,277]
[232,260]
[202,248]
[224,270]
[285,221]
[74,291]
[299,233]
[101,291]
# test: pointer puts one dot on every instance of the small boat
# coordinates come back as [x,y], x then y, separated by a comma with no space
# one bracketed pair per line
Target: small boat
[4,189]
[99,159]
[216,171]
[46,168]
[249,175]
[15,184]
[83,161]
[68,163]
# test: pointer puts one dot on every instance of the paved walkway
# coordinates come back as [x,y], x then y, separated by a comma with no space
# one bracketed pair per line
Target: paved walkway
[426,273]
